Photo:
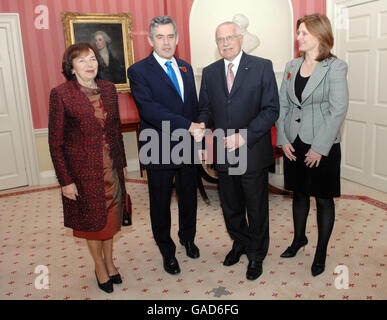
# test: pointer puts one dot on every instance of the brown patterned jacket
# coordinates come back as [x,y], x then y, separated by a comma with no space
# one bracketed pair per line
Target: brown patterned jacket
[75,140]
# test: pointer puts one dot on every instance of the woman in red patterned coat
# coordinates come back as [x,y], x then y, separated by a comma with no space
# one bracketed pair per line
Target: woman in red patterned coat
[88,154]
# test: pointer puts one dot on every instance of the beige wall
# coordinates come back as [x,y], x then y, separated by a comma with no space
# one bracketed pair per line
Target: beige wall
[131,150]
[271,21]
[44,159]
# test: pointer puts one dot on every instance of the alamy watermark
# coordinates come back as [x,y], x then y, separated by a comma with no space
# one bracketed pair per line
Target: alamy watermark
[41,21]
[42,280]
[184,145]
[341,17]
[342,280]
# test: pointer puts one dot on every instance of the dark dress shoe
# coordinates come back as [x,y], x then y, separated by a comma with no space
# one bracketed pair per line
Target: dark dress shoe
[233,257]
[106,286]
[191,249]
[317,269]
[254,270]
[171,265]
[116,278]
[291,251]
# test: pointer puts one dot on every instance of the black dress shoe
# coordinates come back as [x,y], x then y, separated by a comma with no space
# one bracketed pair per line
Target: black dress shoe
[191,249]
[116,278]
[254,270]
[233,257]
[317,269]
[106,286]
[291,251]
[171,265]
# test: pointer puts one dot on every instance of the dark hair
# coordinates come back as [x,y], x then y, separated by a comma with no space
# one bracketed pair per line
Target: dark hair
[161,20]
[319,26]
[73,52]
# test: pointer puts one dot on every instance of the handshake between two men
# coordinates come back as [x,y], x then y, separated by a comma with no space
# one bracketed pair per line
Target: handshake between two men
[232,142]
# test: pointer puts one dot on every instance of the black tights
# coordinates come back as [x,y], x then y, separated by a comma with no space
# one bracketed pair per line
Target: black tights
[325,221]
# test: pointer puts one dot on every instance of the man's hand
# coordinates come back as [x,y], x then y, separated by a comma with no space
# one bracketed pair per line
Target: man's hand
[234,142]
[197,130]
[70,191]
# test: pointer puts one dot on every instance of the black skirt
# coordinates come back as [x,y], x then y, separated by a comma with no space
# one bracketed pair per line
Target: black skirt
[321,182]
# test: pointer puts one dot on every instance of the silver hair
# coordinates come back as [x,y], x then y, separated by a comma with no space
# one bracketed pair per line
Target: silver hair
[105,36]
[161,20]
[237,27]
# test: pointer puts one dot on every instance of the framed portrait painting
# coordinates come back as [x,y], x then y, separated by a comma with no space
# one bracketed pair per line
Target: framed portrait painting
[111,34]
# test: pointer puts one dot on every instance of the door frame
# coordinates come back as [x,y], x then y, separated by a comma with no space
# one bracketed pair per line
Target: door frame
[332,8]
[11,22]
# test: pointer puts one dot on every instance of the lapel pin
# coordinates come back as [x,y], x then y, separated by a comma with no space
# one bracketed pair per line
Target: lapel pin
[184,69]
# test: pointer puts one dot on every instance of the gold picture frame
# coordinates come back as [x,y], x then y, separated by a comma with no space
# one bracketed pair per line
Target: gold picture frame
[111,34]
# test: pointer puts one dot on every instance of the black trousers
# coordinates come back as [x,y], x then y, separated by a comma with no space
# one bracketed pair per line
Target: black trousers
[160,183]
[238,194]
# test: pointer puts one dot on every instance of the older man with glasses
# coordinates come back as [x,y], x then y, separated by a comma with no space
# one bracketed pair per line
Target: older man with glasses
[239,94]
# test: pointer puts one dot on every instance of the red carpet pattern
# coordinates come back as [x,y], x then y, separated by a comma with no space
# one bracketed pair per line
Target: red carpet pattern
[40,259]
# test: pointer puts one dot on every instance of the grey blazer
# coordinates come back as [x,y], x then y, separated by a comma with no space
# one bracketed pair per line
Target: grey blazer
[318,118]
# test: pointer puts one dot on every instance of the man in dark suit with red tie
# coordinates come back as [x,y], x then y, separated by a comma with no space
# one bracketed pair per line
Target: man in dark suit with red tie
[239,93]
[163,88]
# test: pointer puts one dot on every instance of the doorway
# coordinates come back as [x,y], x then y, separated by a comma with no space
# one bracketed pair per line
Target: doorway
[361,40]
[18,161]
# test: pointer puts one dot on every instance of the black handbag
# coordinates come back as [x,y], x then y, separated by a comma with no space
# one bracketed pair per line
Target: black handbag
[127,214]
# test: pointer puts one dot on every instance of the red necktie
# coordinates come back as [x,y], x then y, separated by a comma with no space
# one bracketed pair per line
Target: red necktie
[230,77]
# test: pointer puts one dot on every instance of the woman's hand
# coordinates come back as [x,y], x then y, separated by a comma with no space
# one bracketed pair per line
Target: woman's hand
[312,158]
[288,150]
[70,191]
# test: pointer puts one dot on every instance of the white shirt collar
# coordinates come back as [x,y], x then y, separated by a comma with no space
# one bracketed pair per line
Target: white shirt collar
[175,67]
[235,62]
[162,61]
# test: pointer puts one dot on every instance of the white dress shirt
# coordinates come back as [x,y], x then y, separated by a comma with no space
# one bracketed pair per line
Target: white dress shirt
[235,63]
[175,67]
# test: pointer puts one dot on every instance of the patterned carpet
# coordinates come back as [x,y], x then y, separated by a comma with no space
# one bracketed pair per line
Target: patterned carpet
[32,235]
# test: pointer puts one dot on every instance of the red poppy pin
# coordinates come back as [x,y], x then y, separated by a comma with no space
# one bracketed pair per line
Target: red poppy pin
[288,76]
[184,69]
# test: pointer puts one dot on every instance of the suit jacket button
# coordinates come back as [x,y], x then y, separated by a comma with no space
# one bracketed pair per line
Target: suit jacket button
[298,120]
[228,101]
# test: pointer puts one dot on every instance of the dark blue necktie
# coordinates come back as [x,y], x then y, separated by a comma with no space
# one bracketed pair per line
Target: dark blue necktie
[172,75]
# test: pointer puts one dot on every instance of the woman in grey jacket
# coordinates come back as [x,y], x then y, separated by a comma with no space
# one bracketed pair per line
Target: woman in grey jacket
[314,102]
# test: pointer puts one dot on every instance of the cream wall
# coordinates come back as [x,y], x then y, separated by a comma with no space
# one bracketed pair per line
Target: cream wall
[44,159]
[271,21]
[131,151]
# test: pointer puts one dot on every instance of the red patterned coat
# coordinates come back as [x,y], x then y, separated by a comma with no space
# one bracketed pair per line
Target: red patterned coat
[75,139]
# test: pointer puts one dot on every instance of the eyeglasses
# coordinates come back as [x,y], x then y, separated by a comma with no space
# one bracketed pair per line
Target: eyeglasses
[228,38]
